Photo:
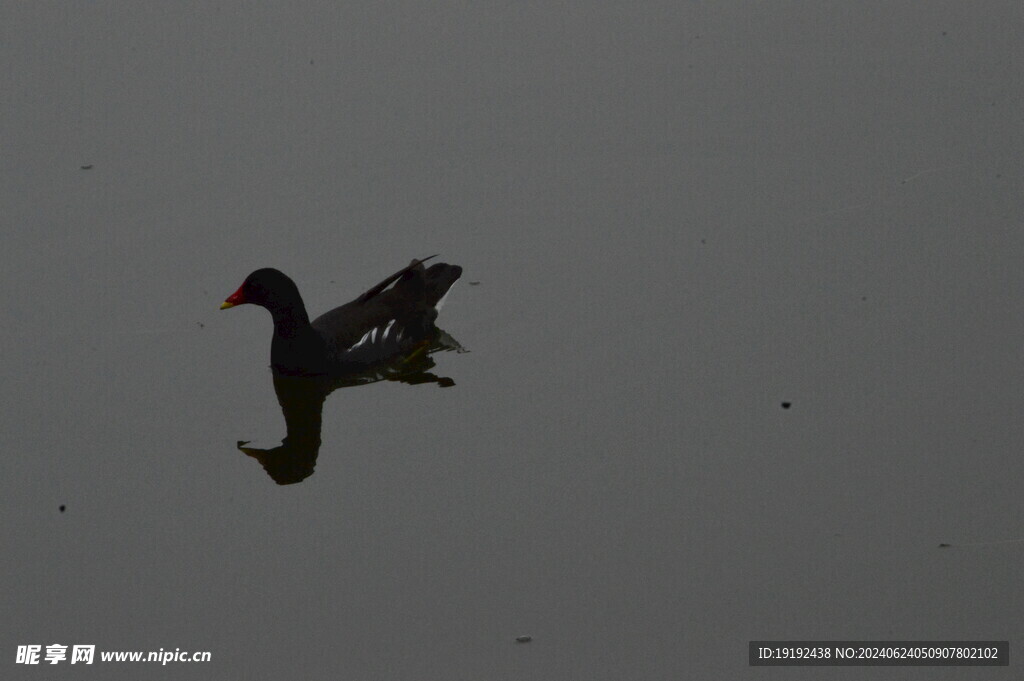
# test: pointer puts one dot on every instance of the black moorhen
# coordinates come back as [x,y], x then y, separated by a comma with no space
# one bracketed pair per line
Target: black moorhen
[383,323]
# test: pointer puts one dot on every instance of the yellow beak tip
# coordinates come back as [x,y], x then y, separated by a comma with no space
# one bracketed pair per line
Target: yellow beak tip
[225,305]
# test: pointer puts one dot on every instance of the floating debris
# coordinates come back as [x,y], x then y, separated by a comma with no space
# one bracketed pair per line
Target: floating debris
[787,405]
[88,167]
[62,507]
[944,546]
[474,283]
[523,639]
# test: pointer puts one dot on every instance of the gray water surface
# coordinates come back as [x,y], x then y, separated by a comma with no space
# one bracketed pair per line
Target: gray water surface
[680,216]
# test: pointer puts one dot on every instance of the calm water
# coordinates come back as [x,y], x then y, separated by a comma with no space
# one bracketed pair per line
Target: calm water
[680,217]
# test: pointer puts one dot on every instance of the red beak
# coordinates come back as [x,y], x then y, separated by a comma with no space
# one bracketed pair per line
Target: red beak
[235,298]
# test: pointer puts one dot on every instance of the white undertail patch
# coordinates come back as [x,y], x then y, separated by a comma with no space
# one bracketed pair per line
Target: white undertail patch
[440,303]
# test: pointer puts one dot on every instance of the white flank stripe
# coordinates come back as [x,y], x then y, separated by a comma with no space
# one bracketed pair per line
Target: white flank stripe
[373,335]
[361,341]
[386,329]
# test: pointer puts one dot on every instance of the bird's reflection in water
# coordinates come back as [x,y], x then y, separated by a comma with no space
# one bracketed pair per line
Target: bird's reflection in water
[302,402]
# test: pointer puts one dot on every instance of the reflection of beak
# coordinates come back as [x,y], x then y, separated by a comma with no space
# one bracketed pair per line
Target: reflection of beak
[225,305]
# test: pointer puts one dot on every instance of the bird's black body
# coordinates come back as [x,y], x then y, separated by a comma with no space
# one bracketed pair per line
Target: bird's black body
[394,318]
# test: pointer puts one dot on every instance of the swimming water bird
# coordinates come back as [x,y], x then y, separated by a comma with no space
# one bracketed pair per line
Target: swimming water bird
[393,319]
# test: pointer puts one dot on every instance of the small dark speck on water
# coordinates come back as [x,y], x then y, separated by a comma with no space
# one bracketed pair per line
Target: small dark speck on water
[703,241]
[88,167]
[863,297]
[944,546]
[201,325]
[523,639]
[62,507]
[944,33]
[474,283]
[787,405]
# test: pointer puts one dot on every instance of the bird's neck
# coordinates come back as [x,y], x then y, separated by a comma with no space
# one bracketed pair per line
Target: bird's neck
[290,321]
[297,348]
